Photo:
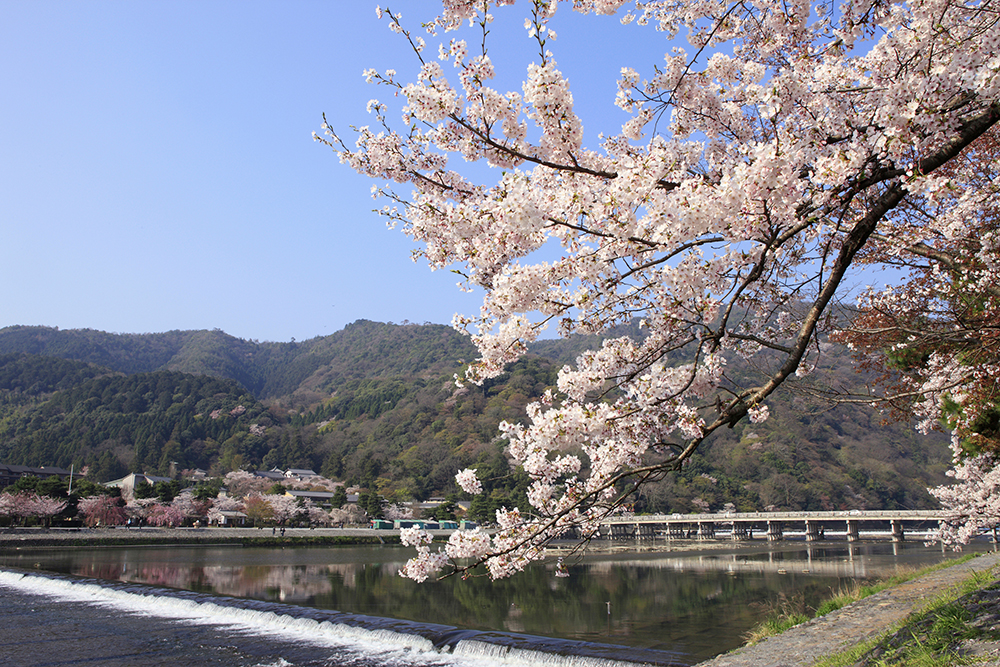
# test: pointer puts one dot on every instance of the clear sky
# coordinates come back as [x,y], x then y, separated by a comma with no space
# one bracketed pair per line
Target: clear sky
[158,170]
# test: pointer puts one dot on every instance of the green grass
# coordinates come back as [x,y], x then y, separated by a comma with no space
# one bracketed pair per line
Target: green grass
[929,637]
[786,614]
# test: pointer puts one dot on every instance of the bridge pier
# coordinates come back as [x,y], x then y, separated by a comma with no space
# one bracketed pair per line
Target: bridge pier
[677,531]
[616,531]
[645,530]
[814,531]
[775,531]
[852,531]
[897,531]
[742,531]
[706,530]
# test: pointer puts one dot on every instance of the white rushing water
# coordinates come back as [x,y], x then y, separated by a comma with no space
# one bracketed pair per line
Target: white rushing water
[347,641]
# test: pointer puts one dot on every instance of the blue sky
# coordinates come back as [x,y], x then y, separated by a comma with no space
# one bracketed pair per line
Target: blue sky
[159,173]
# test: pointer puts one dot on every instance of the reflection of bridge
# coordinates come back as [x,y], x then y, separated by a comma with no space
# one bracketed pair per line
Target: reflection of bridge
[852,526]
[817,560]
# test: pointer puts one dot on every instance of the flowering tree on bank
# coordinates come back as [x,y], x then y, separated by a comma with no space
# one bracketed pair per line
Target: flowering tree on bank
[223,504]
[759,164]
[165,515]
[101,511]
[26,505]
[241,483]
[257,509]
[285,510]
[348,515]
[935,338]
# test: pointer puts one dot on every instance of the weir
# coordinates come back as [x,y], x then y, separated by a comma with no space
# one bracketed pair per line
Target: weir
[408,642]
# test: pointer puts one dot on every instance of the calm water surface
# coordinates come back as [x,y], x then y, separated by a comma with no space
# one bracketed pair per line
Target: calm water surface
[698,603]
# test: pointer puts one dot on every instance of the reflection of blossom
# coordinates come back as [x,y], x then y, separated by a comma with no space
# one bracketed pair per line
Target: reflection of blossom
[292,582]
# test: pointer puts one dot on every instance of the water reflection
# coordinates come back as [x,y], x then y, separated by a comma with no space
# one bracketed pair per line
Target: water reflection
[700,604]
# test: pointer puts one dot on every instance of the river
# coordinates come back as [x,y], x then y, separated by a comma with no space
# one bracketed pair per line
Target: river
[676,607]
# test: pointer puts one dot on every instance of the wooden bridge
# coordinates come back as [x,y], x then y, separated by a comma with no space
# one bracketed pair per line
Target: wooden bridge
[851,525]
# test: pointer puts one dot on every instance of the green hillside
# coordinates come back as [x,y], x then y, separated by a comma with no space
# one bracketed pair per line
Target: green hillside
[268,370]
[376,405]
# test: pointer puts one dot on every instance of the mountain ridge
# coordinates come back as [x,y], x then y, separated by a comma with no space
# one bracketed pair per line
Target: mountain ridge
[375,404]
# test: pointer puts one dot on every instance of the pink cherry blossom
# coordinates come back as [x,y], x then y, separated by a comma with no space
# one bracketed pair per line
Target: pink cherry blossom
[468,482]
[774,147]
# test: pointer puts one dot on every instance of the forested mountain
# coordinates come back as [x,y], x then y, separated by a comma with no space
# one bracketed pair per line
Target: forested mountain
[376,405]
[267,370]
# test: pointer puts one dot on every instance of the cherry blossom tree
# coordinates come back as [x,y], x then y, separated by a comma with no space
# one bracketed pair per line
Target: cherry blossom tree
[18,506]
[241,483]
[26,505]
[165,515]
[775,147]
[284,509]
[46,507]
[223,504]
[101,511]
[398,511]
[6,505]
[934,340]
[258,509]
[189,506]
[974,500]
[317,516]
[137,509]
[348,515]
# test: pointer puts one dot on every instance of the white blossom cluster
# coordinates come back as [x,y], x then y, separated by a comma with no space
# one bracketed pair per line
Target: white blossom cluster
[974,500]
[757,164]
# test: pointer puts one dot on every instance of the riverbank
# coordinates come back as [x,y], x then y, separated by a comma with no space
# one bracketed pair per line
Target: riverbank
[14,538]
[873,617]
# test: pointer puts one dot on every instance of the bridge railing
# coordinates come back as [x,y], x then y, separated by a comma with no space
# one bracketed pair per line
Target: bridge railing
[727,517]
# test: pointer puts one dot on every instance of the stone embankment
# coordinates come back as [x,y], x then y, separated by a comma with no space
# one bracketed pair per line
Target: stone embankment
[870,618]
[37,537]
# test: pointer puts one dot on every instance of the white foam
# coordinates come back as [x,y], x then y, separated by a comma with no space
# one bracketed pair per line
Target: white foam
[512,655]
[379,645]
[385,646]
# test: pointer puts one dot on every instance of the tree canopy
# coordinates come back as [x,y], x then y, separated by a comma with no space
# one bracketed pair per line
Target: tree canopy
[776,148]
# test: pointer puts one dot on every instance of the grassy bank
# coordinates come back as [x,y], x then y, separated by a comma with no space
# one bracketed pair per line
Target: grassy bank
[938,634]
[787,613]
[948,629]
